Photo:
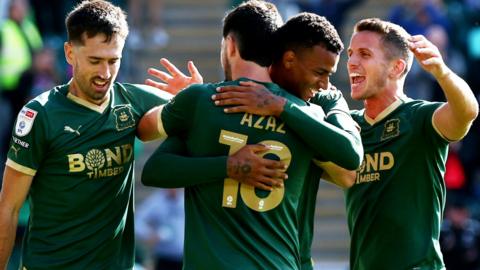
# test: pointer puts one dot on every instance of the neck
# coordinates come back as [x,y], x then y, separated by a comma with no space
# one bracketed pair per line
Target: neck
[251,70]
[377,104]
[74,90]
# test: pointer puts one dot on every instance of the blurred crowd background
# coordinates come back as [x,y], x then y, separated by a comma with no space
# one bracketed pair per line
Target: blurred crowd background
[32,33]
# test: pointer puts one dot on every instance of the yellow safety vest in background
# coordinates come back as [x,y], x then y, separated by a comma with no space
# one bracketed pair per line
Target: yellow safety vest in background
[15,55]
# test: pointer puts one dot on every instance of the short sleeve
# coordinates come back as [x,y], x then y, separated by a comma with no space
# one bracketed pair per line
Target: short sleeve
[29,142]
[145,97]
[176,116]
[424,121]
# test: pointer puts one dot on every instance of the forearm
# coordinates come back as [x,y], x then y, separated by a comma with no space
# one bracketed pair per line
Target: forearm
[337,175]
[347,124]
[169,170]
[460,98]
[8,227]
[327,141]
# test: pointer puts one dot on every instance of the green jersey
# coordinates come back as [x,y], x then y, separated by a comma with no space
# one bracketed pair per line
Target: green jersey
[230,225]
[337,113]
[81,157]
[396,206]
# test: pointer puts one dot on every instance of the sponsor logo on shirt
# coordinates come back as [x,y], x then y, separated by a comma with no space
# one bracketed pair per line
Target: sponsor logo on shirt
[20,142]
[392,129]
[123,117]
[372,166]
[25,121]
[101,163]
[69,129]
[15,150]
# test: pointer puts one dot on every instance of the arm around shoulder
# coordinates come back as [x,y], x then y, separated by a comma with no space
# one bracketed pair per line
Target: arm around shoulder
[168,167]
[329,142]
[337,175]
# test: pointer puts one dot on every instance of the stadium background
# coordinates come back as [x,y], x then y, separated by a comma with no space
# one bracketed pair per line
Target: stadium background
[183,30]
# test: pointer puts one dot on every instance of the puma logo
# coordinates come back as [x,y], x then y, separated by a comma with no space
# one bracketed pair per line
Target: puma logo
[71,130]
[15,150]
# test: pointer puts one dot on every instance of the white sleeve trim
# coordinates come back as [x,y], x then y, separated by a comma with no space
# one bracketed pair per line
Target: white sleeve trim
[12,164]
[332,112]
[437,130]
[161,129]
[318,162]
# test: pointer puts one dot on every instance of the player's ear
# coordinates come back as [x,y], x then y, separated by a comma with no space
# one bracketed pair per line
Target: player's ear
[397,68]
[231,45]
[68,49]
[288,59]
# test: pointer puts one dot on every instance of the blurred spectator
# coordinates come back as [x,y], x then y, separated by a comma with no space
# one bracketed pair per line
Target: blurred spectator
[460,238]
[159,224]
[146,14]
[19,38]
[454,171]
[287,8]
[420,84]
[50,20]
[3,10]
[42,75]
[416,16]
[334,10]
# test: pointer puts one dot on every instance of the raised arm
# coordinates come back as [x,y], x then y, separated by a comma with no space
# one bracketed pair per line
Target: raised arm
[179,170]
[14,191]
[330,143]
[454,118]
[174,80]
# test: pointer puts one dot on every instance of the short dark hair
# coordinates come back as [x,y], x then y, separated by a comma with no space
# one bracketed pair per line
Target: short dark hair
[306,30]
[393,36]
[253,24]
[95,17]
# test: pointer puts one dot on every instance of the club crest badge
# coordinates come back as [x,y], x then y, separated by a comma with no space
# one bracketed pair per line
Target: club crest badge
[123,117]
[25,121]
[392,129]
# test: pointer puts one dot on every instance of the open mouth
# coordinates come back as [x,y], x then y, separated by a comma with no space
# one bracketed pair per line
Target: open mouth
[100,84]
[356,79]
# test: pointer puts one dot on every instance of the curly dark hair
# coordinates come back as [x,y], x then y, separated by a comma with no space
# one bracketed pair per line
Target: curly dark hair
[253,24]
[306,30]
[92,17]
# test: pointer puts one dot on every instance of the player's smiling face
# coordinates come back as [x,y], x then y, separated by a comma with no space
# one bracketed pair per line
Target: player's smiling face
[95,66]
[367,65]
[306,71]
[312,70]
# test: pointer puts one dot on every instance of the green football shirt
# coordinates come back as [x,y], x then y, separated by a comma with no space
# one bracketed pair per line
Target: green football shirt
[337,113]
[81,157]
[396,206]
[230,225]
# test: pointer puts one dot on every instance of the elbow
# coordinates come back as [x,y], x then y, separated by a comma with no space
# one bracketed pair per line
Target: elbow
[356,157]
[474,112]
[471,111]
[349,179]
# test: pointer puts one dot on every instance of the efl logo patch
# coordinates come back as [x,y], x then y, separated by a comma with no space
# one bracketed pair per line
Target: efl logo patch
[25,121]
